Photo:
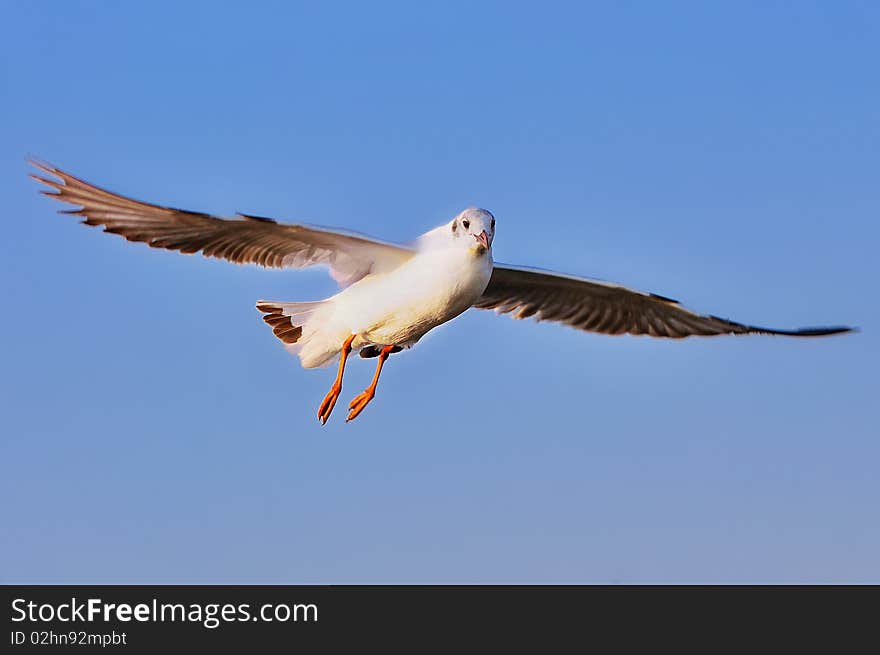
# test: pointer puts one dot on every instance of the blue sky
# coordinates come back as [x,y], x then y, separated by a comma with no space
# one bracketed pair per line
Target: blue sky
[724,154]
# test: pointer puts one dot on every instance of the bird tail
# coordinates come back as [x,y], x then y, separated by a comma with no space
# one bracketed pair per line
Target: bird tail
[298,326]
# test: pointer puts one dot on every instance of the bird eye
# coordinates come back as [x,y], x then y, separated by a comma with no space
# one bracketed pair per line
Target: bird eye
[466,223]
[493,223]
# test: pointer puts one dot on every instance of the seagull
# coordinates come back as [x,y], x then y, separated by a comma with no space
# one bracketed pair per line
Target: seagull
[390,295]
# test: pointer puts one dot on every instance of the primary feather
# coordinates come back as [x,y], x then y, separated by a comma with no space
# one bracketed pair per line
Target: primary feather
[245,239]
[596,306]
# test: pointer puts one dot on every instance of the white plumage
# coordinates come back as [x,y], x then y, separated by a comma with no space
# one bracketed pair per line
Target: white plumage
[391,294]
[443,278]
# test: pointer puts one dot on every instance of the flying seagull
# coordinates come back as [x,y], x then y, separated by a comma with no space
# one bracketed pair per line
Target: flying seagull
[391,295]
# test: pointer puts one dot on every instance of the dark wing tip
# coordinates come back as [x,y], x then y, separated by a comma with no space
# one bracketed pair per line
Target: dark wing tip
[812,331]
[825,331]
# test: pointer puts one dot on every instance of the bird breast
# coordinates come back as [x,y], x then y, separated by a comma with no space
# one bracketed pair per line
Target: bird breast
[399,307]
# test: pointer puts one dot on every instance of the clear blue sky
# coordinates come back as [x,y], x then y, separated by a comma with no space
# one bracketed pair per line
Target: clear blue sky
[725,154]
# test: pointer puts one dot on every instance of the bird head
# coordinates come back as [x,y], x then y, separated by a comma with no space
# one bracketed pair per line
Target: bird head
[474,228]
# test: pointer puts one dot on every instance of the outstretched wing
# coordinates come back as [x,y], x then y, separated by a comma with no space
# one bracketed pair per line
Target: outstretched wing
[596,306]
[244,239]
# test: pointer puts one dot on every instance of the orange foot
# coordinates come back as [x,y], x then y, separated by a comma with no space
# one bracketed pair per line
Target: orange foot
[360,401]
[332,396]
[329,403]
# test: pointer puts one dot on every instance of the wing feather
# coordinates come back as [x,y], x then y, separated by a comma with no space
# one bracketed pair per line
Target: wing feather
[596,306]
[245,239]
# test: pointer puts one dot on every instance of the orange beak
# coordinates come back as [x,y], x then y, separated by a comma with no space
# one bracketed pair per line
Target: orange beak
[483,238]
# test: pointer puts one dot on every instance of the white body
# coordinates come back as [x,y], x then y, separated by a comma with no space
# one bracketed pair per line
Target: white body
[396,308]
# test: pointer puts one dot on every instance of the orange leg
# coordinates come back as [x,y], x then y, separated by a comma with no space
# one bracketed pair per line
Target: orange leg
[357,405]
[332,396]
